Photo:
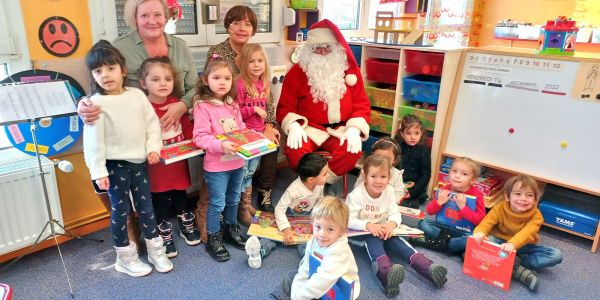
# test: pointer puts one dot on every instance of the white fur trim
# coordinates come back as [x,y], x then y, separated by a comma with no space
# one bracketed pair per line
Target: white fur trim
[361,124]
[338,132]
[320,36]
[333,111]
[316,135]
[291,118]
[332,177]
[351,79]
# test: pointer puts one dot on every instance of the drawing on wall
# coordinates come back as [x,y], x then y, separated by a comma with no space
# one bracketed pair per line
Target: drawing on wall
[58,36]
[586,84]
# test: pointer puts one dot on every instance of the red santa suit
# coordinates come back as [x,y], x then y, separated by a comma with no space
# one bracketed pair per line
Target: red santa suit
[325,122]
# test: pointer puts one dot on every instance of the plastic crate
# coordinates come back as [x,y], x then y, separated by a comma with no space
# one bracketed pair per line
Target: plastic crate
[421,88]
[382,70]
[381,122]
[383,98]
[303,4]
[570,209]
[426,63]
[427,117]
[368,144]
[357,52]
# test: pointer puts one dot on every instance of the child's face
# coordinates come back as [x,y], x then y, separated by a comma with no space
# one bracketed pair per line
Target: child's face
[219,82]
[412,135]
[256,65]
[389,153]
[521,199]
[326,231]
[461,177]
[321,179]
[376,179]
[109,78]
[158,82]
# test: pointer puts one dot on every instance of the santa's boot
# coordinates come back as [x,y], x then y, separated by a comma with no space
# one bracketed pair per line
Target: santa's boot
[264,200]
[390,275]
[424,266]
[525,276]
[201,210]
[244,213]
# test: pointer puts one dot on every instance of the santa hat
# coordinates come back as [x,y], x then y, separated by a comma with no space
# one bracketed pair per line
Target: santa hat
[324,32]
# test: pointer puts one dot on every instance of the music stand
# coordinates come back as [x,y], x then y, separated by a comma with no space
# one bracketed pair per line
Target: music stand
[33,102]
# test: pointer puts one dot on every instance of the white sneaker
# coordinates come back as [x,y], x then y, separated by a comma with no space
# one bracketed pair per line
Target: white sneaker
[128,261]
[157,255]
[253,251]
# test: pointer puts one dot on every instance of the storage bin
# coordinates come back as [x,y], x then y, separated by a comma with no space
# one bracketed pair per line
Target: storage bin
[381,122]
[304,4]
[426,63]
[570,209]
[382,70]
[357,52]
[383,98]
[427,117]
[368,144]
[421,88]
[383,53]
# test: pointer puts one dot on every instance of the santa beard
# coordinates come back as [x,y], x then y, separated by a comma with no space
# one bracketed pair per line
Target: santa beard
[325,73]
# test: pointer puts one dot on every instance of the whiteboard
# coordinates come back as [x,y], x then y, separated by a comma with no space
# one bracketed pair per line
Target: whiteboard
[529,115]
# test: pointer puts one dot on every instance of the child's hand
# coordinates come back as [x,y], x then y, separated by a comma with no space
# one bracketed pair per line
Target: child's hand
[409,184]
[153,158]
[507,247]
[389,229]
[375,229]
[103,183]
[228,147]
[461,200]
[443,197]
[479,237]
[260,112]
[288,236]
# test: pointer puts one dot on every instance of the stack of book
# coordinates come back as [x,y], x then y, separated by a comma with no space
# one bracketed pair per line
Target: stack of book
[249,143]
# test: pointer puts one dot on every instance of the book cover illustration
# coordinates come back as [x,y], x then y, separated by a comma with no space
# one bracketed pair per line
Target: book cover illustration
[263,225]
[450,216]
[343,289]
[487,262]
[411,212]
[401,230]
[179,151]
[250,144]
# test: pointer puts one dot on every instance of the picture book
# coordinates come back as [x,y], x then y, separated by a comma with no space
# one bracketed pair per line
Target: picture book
[401,230]
[411,212]
[487,262]
[450,216]
[343,289]
[179,151]
[263,225]
[250,144]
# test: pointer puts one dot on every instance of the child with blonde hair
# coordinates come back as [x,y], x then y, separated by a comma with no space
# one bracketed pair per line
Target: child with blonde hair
[515,225]
[330,224]
[416,160]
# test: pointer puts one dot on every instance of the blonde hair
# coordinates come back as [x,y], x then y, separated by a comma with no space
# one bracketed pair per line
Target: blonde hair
[247,51]
[470,163]
[376,161]
[334,209]
[130,11]
[526,182]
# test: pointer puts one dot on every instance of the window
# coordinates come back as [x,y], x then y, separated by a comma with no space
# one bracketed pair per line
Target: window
[343,13]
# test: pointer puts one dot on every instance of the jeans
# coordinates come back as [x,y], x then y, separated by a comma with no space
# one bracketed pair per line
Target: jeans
[224,190]
[535,256]
[456,244]
[376,247]
[249,169]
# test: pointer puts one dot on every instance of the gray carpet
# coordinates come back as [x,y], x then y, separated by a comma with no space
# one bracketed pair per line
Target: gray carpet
[197,276]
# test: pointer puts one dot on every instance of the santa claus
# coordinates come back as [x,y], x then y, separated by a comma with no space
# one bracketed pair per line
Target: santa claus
[323,104]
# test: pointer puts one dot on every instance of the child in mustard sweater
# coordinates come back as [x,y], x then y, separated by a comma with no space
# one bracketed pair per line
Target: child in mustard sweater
[514,224]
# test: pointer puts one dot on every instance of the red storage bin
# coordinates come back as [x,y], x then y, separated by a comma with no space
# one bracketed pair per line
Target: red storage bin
[426,63]
[382,70]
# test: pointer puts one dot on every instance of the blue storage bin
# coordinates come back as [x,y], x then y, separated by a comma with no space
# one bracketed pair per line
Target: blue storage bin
[570,209]
[357,52]
[421,88]
[368,144]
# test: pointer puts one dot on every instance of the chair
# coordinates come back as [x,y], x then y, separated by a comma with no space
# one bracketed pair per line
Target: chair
[327,156]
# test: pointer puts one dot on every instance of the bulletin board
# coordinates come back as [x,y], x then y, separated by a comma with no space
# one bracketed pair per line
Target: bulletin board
[529,114]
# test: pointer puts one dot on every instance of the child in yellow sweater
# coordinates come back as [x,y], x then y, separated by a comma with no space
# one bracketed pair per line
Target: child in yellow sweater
[514,224]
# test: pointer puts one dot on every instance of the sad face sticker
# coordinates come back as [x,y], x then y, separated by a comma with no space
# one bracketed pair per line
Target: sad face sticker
[58,36]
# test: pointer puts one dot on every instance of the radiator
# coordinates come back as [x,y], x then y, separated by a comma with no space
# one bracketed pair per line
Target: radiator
[22,206]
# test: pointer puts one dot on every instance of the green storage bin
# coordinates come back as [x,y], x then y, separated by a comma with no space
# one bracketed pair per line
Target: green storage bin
[381,122]
[383,98]
[427,117]
[304,4]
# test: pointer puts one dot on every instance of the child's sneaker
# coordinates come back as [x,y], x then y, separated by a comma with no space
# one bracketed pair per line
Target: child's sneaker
[253,251]
[128,261]
[390,275]
[188,230]
[157,255]
[528,277]
[165,230]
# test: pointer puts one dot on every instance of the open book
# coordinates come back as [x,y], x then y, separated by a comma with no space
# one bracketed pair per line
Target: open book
[401,230]
[263,225]
[343,289]
[487,262]
[179,151]
[411,212]
[250,144]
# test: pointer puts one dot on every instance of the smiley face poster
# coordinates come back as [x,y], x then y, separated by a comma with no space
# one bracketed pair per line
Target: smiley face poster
[57,28]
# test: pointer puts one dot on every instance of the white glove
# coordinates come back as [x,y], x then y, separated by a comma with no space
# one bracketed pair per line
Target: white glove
[296,135]
[352,136]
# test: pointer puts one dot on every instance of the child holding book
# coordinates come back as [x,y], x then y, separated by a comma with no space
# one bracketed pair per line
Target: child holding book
[255,100]
[387,147]
[116,148]
[330,224]
[168,183]
[416,160]
[215,112]
[515,224]
[463,173]
[373,208]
